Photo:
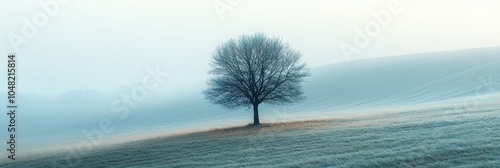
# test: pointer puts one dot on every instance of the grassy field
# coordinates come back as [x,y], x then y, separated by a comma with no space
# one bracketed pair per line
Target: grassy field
[435,137]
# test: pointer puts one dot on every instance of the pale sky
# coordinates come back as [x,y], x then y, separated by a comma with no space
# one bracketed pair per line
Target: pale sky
[103,45]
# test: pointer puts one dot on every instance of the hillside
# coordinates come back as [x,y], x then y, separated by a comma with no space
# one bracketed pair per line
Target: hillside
[427,137]
[370,86]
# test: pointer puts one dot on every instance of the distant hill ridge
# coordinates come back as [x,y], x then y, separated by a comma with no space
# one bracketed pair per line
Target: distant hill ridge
[405,80]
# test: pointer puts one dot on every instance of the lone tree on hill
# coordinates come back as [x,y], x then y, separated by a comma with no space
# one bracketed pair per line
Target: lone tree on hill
[255,69]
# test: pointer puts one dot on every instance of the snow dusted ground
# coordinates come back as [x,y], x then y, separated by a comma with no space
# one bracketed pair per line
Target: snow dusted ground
[464,81]
[433,136]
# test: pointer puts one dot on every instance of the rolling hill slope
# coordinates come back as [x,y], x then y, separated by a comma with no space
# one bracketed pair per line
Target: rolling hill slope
[452,79]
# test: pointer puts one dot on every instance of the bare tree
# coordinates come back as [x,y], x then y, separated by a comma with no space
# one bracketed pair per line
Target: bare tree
[255,69]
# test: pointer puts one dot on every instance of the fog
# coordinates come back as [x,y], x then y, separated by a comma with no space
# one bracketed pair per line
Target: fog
[104,45]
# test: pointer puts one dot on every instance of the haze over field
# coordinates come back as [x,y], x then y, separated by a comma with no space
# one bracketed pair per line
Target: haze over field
[111,46]
[441,135]
[427,59]
[455,79]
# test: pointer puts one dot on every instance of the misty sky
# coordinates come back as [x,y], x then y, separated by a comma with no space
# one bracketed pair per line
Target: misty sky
[103,45]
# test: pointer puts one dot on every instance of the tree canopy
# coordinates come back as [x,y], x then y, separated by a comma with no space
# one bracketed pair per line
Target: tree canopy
[255,69]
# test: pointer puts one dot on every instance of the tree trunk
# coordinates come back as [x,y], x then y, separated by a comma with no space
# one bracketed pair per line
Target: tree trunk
[256,114]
